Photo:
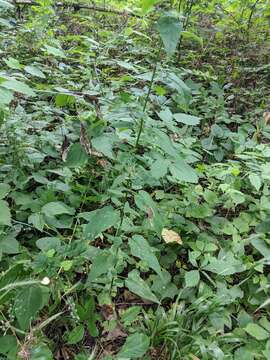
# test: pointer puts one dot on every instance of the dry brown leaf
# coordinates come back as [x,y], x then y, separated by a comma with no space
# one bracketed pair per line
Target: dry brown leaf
[84,140]
[108,312]
[266,116]
[64,148]
[114,334]
[170,236]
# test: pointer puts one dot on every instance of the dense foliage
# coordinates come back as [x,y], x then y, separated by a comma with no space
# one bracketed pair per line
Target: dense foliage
[135,180]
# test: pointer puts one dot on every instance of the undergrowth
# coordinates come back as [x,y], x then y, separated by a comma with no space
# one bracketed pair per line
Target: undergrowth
[134,180]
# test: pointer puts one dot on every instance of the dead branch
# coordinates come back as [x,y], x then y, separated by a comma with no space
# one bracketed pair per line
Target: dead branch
[76,6]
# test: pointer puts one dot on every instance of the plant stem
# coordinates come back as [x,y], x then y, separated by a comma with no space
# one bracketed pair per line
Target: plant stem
[252,11]
[179,5]
[145,104]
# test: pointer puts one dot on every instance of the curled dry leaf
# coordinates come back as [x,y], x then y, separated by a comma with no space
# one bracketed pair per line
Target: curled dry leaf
[114,334]
[84,140]
[170,236]
[64,148]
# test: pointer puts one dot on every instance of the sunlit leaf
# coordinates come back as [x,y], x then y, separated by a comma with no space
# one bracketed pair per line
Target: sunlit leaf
[148,4]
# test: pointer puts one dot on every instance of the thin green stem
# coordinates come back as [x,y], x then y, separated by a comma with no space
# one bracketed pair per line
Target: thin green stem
[145,104]
[249,23]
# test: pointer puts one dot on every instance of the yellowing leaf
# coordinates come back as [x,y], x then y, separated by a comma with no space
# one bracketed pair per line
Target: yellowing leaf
[170,236]
[193,357]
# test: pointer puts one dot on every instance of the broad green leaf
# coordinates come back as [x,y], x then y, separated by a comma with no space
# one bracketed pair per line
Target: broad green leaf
[140,248]
[99,221]
[66,265]
[164,142]
[130,314]
[5,22]
[41,352]
[27,303]
[263,227]
[5,216]
[104,144]
[164,287]
[192,278]
[237,196]
[63,222]
[225,265]
[33,70]
[4,190]
[9,244]
[76,335]
[6,96]
[183,172]
[175,82]
[76,156]
[139,287]
[247,352]
[264,323]
[13,63]
[102,264]
[37,220]
[169,28]
[54,51]
[266,353]
[47,243]
[5,4]
[191,36]
[159,168]
[186,119]
[261,246]
[255,181]
[199,211]
[145,202]
[257,331]
[57,208]
[166,115]
[135,346]
[17,86]
[64,100]
[7,343]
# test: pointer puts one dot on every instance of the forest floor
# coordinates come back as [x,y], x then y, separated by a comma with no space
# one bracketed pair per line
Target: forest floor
[134,187]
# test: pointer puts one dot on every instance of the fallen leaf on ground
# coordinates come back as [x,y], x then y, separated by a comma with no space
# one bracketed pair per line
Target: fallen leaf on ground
[170,236]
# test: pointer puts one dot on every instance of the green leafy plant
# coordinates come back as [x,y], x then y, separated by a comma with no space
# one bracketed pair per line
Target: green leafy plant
[134,180]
